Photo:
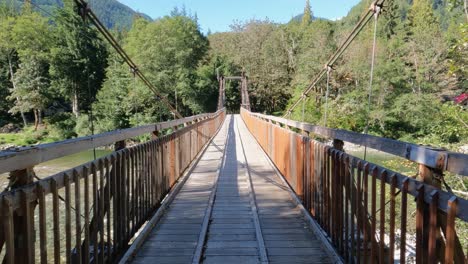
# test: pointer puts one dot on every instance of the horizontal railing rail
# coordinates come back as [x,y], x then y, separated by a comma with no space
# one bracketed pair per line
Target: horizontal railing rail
[91,212]
[364,209]
[434,158]
[24,157]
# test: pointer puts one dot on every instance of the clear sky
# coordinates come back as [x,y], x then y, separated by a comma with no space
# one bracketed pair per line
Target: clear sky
[217,15]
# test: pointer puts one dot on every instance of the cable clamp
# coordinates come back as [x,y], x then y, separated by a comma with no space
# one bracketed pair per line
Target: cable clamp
[83,10]
[133,70]
[376,8]
[329,68]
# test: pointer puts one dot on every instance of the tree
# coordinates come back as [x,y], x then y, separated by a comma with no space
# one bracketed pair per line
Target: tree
[426,46]
[30,90]
[169,51]
[259,47]
[308,15]
[24,38]
[79,58]
[7,48]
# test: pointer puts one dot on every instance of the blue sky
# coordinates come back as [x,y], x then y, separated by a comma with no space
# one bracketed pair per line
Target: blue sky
[217,15]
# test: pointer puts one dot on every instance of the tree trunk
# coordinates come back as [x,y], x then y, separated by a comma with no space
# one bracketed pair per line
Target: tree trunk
[75,103]
[36,119]
[416,65]
[12,79]
[465,7]
[39,115]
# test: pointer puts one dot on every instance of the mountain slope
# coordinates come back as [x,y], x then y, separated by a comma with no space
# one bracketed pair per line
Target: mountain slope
[112,13]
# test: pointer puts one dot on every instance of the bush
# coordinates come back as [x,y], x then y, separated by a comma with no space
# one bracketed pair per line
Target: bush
[62,126]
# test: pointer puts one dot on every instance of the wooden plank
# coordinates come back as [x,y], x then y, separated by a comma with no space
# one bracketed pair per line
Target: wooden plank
[101,197]
[310,243]
[96,218]
[232,244]
[86,255]
[8,230]
[319,258]
[173,238]
[450,232]
[163,260]
[107,204]
[29,228]
[231,260]
[309,251]
[231,252]
[161,245]
[42,225]
[67,219]
[56,220]
[76,179]
[150,251]
[231,237]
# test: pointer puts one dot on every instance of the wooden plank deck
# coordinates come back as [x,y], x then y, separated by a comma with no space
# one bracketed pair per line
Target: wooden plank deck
[233,208]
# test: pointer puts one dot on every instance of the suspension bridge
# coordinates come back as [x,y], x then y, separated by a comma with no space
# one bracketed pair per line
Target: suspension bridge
[232,188]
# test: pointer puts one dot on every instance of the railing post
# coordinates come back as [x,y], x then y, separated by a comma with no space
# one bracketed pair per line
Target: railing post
[338,144]
[176,154]
[119,145]
[434,177]
[24,217]
[115,182]
[155,134]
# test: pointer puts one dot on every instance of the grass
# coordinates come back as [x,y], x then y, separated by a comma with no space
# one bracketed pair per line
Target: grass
[29,137]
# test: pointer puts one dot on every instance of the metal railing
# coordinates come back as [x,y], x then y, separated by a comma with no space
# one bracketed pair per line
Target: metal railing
[365,209]
[91,212]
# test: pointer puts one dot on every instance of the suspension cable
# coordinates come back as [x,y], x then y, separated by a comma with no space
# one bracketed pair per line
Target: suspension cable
[371,78]
[303,109]
[343,47]
[86,12]
[91,116]
[329,69]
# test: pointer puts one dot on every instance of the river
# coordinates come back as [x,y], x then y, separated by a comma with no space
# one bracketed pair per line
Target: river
[57,165]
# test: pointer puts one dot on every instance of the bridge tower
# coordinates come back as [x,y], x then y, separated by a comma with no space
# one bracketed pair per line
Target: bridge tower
[245,92]
[245,101]
[222,92]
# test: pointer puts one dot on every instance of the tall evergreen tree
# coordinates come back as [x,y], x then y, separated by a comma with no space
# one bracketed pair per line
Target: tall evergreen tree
[79,58]
[308,15]
[426,46]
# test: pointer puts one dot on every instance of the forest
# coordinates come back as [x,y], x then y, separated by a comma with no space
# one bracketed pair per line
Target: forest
[59,79]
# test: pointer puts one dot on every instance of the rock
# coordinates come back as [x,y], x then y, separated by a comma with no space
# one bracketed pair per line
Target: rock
[10,128]
[7,147]
[464,149]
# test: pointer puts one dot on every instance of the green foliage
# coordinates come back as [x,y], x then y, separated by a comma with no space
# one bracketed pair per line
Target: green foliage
[62,125]
[46,63]
[307,16]
[112,13]
[30,92]
[78,59]
[172,53]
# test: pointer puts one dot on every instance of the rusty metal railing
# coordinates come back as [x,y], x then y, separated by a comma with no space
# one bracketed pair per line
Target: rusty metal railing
[91,212]
[369,213]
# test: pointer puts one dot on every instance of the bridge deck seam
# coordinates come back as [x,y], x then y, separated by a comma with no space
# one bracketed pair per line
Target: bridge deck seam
[209,210]
[253,204]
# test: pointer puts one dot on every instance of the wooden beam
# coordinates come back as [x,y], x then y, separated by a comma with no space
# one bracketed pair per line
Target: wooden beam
[20,158]
[434,158]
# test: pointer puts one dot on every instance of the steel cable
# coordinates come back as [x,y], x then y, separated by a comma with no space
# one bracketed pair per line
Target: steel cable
[337,54]
[371,78]
[87,12]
